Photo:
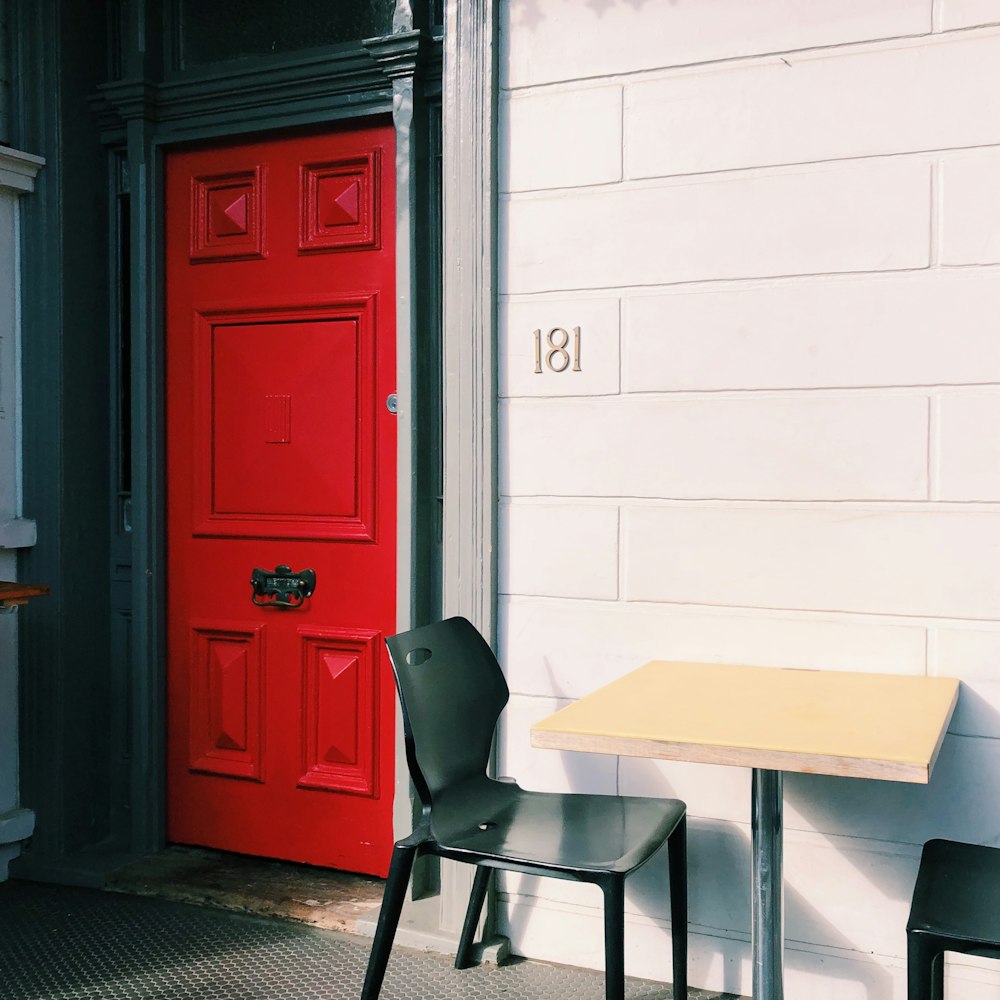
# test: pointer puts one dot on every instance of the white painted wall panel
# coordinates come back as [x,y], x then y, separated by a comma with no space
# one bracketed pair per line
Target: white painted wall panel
[970,207]
[824,882]
[569,648]
[565,550]
[830,447]
[973,655]
[549,770]
[967,445]
[561,139]
[932,328]
[907,561]
[951,805]
[871,215]
[794,414]
[568,40]
[967,13]
[711,791]
[819,105]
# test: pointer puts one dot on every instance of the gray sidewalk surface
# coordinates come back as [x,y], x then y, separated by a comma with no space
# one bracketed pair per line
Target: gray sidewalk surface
[61,943]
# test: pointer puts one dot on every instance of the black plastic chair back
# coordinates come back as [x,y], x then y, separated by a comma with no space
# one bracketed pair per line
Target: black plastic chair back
[452,692]
[955,907]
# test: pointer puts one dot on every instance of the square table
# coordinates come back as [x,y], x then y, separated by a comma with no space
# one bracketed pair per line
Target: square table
[770,719]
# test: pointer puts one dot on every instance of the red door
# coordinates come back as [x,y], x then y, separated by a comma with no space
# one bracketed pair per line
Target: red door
[281,452]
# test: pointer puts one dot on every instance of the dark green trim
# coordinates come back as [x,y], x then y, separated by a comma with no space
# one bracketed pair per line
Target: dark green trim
[83,687]
[148,490]
[68,758]
[281,92]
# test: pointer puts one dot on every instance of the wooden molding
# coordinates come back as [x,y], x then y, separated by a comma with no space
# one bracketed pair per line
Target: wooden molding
[470,187]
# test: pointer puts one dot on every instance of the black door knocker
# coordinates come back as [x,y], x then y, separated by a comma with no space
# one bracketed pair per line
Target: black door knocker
[281,588]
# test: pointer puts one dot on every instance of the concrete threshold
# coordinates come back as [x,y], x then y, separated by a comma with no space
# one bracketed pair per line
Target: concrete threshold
[320,897]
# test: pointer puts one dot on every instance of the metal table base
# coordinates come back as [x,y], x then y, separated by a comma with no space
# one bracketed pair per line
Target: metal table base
[767,930]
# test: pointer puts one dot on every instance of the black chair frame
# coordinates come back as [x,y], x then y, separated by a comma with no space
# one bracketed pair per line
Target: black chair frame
[955,907]
[452,691]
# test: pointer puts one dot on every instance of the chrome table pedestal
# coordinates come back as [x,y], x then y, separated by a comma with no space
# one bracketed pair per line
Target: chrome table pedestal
[767,925]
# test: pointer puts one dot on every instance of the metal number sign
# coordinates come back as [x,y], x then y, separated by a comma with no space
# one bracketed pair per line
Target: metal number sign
[555,353]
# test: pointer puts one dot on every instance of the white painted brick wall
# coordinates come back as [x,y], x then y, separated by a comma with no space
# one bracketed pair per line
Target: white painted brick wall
[973,655]
[552,151]
[967,445]
[873,561]
[567,648]
[820,105]
[799,447]
[970,208]
[967,13]
[929,328]
[868,216]
[570,40]
[559,549]
[777,230]
[546,770]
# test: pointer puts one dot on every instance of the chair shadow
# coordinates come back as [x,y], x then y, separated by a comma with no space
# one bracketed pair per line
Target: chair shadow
[719,905]
[951,805]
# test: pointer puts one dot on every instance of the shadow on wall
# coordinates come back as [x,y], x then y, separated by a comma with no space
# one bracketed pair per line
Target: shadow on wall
[719,874]
[719,905]
[529,14]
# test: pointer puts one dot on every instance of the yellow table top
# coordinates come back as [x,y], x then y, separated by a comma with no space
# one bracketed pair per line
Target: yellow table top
[818,721]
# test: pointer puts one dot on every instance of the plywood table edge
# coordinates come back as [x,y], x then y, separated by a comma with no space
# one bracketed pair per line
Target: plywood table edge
[944,726]
[913,772]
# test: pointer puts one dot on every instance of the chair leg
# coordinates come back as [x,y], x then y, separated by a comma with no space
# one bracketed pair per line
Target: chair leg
[937,977]
[614,939]
[388,919]
[924,968]
[479,887]
[677,863]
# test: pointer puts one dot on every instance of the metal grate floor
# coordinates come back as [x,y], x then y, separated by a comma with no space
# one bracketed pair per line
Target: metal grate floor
[60,943]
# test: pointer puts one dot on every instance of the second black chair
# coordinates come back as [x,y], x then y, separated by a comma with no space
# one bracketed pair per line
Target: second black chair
[956,907]
[452,691]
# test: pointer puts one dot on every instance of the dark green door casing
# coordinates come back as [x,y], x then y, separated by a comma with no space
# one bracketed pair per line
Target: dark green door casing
[102,114]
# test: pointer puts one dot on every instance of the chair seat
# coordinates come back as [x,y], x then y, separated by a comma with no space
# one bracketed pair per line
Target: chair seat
[957,894]
[568,832]
[452,691]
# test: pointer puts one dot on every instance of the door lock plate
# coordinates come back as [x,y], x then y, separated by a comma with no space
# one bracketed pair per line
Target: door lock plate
[281,588]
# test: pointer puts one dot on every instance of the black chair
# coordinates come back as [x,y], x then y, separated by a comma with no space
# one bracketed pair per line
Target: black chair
[452,692]
[956,907]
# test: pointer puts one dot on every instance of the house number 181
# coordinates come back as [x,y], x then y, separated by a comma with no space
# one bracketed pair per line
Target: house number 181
[555,351]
